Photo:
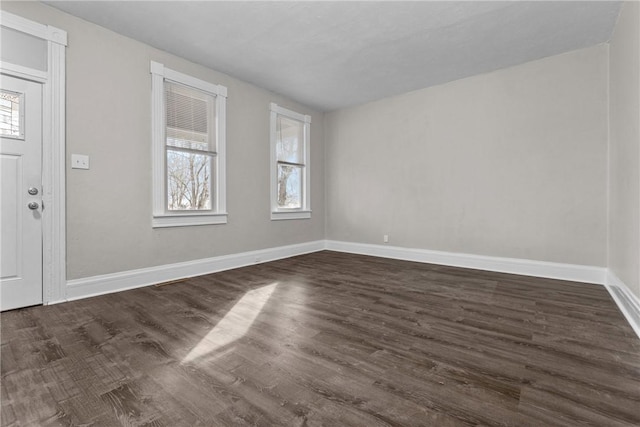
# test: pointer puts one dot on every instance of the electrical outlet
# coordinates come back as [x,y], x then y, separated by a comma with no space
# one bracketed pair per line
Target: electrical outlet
[79,161]
[385,238]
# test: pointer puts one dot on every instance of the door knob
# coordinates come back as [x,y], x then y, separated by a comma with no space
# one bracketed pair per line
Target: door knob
[33,191]
[33,206]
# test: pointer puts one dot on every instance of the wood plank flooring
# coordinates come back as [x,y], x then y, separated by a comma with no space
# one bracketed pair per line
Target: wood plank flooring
[326,339]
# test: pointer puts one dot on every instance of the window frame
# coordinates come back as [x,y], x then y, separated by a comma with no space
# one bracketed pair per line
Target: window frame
[162,216]
[304,212]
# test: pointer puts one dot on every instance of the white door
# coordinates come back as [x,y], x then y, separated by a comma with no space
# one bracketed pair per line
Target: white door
[21,193]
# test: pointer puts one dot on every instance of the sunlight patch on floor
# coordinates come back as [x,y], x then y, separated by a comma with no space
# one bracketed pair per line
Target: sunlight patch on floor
[235,324]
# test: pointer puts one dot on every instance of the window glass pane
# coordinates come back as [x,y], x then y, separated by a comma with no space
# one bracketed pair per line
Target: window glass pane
[188,117]
[10,117]
[17,47]
[290,140]
[176,140]
[188,180]
[289,186]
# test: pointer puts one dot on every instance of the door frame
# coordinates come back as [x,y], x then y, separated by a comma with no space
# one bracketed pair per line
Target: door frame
[54,276]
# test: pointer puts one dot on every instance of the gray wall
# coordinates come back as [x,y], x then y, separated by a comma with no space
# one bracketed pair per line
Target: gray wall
[624,191]
[108,118]
[510,163]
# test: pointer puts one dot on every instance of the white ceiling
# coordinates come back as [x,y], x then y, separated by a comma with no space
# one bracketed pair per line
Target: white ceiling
[330,55]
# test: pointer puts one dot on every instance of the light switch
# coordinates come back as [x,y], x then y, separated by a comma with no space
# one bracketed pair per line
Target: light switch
[79,161]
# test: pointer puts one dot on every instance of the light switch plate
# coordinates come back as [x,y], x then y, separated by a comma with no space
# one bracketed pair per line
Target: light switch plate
[79,161]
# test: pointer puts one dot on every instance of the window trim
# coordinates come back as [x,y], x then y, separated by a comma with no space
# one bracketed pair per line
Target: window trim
[305,211]
[162,217]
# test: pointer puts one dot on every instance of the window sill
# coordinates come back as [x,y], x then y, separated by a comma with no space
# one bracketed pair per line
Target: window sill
[185,220]
[280,215]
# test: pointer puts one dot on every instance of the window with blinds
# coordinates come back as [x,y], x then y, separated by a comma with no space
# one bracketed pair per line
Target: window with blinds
[190,147]
[291,161]
[188,124]
[290,164]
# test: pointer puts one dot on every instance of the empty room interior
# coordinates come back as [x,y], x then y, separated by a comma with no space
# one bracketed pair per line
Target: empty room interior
[320,213]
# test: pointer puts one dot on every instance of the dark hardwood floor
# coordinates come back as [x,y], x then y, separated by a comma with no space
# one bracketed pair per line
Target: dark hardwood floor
[326,339]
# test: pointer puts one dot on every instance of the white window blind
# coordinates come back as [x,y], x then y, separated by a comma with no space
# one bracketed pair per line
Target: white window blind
[188,117]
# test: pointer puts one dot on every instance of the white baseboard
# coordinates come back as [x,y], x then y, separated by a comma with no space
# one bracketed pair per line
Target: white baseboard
[115,282]
[627,301]
[108,283]
[572,272]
